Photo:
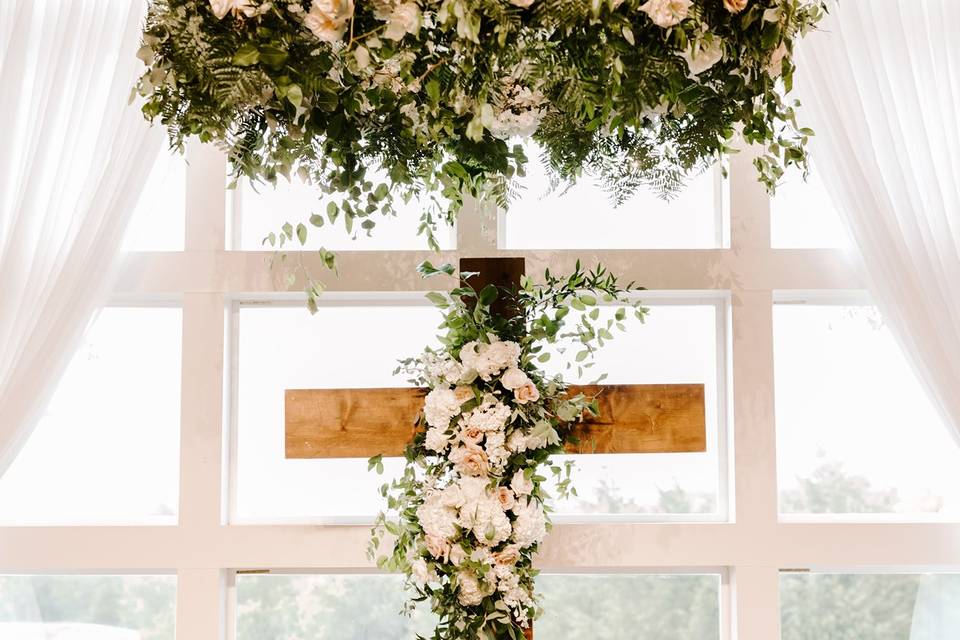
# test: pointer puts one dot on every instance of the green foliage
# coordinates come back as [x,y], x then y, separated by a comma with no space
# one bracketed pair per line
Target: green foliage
[435,99]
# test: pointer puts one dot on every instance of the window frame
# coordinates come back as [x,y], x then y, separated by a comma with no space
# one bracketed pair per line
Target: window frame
[750,549]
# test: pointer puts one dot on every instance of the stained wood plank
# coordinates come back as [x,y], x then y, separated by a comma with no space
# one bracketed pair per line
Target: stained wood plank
[502,272]
[359,423]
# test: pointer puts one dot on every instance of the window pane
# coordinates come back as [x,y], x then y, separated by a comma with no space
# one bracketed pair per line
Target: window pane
[339,347]
[584,217]
[263,209]
[676,344]
[874,606]
[346,346]
[578,607]
[847,404]
[87,607]
[106,451]
[803,216]
[158,220]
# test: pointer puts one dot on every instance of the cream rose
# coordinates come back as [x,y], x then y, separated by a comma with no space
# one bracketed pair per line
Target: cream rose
[470,461]
[526,393]
[735,6]
[508,556]
[667,13]
[436,440]
[221,8]
[404,19]
[471,435]
[513,378]
[327,19]
[437,547]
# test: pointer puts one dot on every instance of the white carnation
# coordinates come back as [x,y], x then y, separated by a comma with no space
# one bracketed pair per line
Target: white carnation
[530,527]
[441,405]
[666,13]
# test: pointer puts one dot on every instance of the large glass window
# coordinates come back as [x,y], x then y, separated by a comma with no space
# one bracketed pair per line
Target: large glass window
[101,607]
[584,217]
[578,607]
[875,606]
[802,215]
[107,449]
[158,221]
[856,434]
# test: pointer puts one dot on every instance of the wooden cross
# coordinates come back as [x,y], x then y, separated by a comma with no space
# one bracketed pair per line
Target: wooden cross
[360,423]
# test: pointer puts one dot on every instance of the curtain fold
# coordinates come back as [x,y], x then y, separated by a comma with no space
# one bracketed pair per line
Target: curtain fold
[880,85]
[75,159]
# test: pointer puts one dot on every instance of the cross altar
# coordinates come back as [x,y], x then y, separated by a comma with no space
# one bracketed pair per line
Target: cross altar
[361,423]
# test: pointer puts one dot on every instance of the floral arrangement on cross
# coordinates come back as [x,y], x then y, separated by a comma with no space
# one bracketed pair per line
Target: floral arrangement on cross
[472,506]
[438,94]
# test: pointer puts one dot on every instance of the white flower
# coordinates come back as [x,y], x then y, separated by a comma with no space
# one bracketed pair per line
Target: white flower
[523,4]
[421,574]
[437,519]
[775,67]
[404,19]
[221,8]
[666,13]
[362,55]
[457,555]
[437,440]
[510,124]
[470,460]
[437,547]
[530,527]
[513,378]
[521,485]
[441,405]
[471,489]
[701,58]
[486,519]
[526,393]
[328,19]
[489,416]
[735,6]
[489,359]
[470,434]
[505,498]
[471,591]
[508,556]
[517,442]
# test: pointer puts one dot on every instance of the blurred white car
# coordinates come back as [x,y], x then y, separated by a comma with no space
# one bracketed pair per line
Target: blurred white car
[63,631]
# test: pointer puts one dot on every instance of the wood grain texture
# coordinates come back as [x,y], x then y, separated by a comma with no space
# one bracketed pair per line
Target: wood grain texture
[359,423]
[502,272]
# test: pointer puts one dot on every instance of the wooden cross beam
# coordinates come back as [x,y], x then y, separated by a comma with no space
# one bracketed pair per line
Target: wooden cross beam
[360,423]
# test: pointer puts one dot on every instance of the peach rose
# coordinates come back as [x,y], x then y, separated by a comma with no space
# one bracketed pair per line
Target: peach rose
[463,393]
[509,555]
[437,547]
[735,6]
[526,393]
[470,460]
[505,498]
[471,435]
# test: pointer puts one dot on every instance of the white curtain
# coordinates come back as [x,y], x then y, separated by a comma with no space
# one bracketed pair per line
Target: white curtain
[880,85]
[73,161]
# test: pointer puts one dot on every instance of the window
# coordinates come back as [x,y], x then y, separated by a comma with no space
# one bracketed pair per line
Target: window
[107,449]
[746,541]
[263,209]
[157,223]
[583,217]
[87,607]
[803,216]
[584,607]
[876,606]
[841,450]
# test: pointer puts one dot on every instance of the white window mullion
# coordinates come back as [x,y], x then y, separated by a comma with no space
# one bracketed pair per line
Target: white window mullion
[201,604]
[756,603]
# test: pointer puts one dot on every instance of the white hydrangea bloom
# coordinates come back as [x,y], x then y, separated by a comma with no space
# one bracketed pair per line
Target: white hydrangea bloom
[471,591]
[489,359]
[437,440]
[530,527]
[486,519]
[521,485]
[517,442]
[441,405]
[490,416]
[437,519]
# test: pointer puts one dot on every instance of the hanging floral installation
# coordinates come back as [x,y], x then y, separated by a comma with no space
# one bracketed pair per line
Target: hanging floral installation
[377,101]
[467,516]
